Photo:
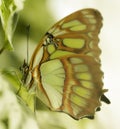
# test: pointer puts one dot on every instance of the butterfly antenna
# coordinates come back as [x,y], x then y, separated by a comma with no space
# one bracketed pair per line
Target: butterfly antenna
[28,34]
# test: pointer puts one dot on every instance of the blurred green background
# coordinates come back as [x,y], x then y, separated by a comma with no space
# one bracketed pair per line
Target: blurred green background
[37,15]
[41,15]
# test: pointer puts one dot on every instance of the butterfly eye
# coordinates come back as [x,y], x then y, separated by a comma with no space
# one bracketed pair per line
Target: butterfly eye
[50,40]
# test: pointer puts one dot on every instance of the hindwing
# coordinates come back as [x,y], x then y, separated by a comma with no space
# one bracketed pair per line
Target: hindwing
[72,84]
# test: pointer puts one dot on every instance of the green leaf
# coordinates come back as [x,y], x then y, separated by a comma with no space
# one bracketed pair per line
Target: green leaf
[9,16]
[12,76]
[13,114]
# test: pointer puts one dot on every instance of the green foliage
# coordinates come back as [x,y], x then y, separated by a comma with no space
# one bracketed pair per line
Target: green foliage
[13,113]
[18,88]
[9,15]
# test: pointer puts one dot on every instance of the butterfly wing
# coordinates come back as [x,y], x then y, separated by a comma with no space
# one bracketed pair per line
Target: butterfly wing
[68,75]
[76,33]
[72,85]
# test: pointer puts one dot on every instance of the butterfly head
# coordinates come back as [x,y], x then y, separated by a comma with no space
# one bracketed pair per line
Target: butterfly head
[25,71]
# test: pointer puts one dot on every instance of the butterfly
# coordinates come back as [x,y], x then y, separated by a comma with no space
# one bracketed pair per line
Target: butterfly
[64,69]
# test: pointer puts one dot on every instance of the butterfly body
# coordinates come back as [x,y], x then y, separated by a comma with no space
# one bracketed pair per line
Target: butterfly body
[65,66]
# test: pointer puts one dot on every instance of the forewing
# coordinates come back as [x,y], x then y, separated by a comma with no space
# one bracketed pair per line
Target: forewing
[77,33]
[74,34]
